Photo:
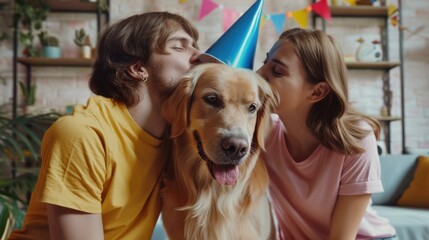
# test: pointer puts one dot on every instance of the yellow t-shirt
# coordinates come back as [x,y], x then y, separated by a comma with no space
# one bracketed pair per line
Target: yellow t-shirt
[98,160]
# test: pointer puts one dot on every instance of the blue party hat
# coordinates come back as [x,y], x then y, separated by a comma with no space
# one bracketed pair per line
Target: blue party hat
[237,46]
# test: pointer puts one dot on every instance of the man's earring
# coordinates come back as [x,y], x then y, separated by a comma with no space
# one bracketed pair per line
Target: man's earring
[143,78]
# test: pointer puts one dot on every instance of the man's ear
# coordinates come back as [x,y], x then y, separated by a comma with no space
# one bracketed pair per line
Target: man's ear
[319,92]
[137,71]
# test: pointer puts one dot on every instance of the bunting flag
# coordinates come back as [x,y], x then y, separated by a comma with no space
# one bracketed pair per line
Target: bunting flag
[300,17]
[263,20]
[322,9]
[183,1]
[229,17]
[394,20]
[207,6]
[391,9]
[351,2]
[278,21]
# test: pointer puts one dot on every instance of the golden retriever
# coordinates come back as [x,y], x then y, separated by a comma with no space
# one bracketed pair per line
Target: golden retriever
[217,186]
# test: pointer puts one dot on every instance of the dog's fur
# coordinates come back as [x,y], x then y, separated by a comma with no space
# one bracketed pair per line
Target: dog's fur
[214,125]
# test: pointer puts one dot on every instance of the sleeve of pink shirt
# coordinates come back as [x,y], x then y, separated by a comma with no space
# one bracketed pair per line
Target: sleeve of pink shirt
[361,173]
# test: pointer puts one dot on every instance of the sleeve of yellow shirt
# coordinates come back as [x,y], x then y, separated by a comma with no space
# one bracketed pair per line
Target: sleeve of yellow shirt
[73,165]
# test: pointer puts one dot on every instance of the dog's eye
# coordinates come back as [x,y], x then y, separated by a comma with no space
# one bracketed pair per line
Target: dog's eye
[252,108]
[212,100]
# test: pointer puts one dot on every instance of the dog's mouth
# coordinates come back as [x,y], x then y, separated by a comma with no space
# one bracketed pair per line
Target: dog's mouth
[225,174]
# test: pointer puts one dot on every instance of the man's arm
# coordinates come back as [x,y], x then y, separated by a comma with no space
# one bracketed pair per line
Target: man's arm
[70,224]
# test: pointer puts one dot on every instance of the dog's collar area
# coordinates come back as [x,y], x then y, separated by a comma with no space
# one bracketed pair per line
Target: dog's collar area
[200,146]
[201,152]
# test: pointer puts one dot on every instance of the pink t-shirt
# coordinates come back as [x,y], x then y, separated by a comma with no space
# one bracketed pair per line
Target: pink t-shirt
[304,193]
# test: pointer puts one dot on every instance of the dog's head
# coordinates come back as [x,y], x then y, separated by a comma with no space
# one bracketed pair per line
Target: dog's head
[225,112]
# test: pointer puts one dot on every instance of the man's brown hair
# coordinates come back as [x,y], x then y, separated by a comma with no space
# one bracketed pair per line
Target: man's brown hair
[131,41]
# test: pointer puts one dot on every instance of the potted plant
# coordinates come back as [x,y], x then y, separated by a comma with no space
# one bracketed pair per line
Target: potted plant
[83,41]
[20,140]
[50,45]
[28,18]
[13,202]
[29,97]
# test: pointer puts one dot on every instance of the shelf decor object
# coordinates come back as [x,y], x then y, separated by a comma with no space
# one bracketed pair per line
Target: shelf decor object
[369,52]
[50,45]
[83,41]
[99,8]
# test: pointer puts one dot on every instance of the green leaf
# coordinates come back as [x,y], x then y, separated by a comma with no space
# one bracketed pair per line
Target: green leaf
[4,217]
[10,143]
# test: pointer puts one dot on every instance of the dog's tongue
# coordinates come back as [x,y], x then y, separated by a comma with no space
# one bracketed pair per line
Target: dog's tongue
[225,174]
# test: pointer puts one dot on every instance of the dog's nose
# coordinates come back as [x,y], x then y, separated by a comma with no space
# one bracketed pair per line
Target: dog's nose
[235,148]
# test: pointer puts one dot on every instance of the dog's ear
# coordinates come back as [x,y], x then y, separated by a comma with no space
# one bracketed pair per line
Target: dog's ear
[175,109]
[269,100]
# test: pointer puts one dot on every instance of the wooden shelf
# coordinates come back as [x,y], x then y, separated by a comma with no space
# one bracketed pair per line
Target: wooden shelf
[387,118]
[55,62]
[359,11]
[71,6]
[372,65]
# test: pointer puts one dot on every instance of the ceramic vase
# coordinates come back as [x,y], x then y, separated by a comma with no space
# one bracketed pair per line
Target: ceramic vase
[85,52]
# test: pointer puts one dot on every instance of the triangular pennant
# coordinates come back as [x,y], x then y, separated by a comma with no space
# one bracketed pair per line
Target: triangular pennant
[263,20]
[207,6]
[351,2]
[229,17]
[183,1]
[301,17]
[278,21]
[394,20]
[392,8]
[321,8]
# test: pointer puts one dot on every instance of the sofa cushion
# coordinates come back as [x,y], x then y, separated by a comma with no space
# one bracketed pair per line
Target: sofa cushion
[417,194]
[396,174]
[409,223]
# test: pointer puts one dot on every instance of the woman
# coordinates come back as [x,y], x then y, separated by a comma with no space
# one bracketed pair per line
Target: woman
[101,166]
[322,154]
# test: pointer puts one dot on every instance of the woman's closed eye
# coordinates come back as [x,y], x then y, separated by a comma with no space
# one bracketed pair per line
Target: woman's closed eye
[278,72]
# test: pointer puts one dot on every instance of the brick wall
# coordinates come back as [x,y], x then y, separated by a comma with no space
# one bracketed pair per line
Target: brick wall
[59,87]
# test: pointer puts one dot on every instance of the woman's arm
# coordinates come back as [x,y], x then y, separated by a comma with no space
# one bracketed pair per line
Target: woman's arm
[348,213]
[70,224]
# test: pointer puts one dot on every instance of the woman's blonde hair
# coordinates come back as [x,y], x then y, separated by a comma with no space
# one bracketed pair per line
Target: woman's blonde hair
[333,121]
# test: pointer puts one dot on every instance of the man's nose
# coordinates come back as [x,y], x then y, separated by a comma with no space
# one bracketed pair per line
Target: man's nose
[195,57]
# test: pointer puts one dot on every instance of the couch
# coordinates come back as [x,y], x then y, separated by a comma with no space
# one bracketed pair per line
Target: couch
[397,171]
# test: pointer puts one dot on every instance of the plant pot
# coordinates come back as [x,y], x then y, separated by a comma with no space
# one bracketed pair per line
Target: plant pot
[51,52]
[85,52]
[30,109]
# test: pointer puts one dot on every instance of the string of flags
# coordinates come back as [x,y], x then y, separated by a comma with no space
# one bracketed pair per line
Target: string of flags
[279,19]
[394,20]
[300,16]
